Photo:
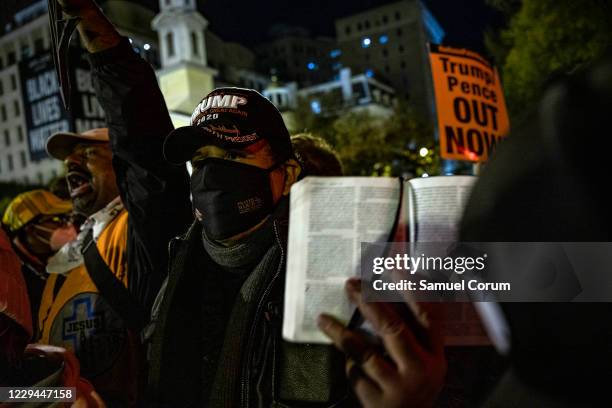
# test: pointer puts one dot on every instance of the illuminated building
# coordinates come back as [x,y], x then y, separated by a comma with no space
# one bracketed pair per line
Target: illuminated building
[390,43]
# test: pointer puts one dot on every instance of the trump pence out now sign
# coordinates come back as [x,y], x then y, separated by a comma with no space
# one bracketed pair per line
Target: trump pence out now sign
[472,115]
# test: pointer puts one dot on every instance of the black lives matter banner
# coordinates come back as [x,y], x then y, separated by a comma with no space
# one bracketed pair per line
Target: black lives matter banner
[472,115]
[86,111]
[44,112]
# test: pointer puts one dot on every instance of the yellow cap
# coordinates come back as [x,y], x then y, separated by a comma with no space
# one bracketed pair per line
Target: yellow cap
[27,206]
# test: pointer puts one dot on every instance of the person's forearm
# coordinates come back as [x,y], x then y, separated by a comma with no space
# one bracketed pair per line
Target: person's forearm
[96,31]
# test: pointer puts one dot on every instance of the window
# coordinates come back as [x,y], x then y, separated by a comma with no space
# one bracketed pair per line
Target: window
[398,16]
[1,87]
[387,69]
[7,138]
[347,30]
[22,156]
[1,63]
[385,19]
[366,24]
[399,32]
[10,58]
[19,134]
[39,177]
[13,82]
[194,43]
[3,112]
[9,159]
[17,107]
[359,26]
[401,48]
[403,64]
[170,44]
[385,53]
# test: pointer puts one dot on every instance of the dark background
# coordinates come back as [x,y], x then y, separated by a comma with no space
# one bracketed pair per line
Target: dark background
[248,21]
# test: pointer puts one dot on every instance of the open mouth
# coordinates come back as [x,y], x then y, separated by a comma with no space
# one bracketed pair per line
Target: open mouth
[78,183]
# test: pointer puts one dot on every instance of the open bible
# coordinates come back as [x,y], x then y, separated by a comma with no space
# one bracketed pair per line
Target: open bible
[329,219]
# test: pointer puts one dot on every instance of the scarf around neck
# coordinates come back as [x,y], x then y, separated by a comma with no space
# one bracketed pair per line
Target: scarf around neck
[244,254]
[69,256]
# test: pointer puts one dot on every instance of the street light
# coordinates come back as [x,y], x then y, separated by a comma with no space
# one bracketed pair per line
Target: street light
[423,151]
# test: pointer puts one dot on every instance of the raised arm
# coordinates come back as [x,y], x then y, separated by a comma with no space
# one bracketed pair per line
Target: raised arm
[155,193]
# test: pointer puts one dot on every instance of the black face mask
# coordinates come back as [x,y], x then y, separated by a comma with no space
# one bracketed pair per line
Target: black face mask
[232,197]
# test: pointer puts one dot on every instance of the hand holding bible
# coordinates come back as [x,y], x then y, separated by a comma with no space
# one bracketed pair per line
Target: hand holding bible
[407,371]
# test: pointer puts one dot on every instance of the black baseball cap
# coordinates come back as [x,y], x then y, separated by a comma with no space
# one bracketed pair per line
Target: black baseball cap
[230,118]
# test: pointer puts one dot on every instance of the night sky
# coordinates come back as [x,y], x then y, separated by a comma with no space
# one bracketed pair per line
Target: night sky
[248,21]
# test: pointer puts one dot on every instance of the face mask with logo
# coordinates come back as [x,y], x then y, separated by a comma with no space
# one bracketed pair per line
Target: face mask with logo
[232,197]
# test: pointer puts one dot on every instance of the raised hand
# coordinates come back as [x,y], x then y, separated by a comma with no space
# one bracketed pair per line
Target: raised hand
[408,373]
[96,31]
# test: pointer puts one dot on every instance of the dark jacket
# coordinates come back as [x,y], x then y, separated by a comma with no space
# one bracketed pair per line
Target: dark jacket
[255,368]
[155,193]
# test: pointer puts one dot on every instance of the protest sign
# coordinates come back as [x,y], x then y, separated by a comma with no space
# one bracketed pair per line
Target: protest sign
[472,115]
[44,111]
[42,101]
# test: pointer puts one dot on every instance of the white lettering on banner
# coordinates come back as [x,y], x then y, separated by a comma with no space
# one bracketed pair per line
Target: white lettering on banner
[41,86]
[45,111]
[218,101]
[38,137]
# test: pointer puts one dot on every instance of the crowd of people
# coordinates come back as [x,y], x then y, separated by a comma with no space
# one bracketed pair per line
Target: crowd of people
[154,287]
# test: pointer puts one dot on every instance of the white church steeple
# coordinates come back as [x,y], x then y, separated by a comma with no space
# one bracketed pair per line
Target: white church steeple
[181,32]
[184,77]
